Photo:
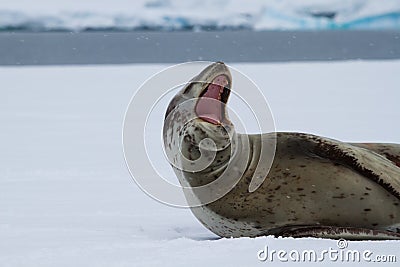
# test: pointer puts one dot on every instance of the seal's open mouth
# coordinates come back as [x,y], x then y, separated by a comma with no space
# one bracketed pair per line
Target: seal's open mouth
[207,108]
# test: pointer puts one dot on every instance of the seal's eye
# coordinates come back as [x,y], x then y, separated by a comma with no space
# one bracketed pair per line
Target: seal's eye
[207,107]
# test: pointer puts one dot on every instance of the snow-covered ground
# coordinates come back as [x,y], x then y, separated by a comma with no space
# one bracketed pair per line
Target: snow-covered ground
[66,197]
[198,14]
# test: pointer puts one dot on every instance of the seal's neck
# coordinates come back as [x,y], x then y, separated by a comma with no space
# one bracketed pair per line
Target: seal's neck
[195,146]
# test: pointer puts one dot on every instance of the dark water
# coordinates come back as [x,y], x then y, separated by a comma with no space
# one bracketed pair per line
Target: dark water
[172,47]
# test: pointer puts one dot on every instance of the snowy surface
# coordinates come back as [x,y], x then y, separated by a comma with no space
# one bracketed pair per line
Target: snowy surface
[66,198]
[198,14]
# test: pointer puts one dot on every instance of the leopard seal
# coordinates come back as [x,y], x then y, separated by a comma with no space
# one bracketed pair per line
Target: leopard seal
[315,187]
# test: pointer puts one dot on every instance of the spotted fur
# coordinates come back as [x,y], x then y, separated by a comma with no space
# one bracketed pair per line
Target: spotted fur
[316,186]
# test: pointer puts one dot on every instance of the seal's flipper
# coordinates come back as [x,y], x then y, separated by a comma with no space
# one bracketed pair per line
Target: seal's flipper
[368,164]
[349,233]
[389,151]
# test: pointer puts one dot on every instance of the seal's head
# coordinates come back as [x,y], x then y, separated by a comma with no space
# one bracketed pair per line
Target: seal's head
[198,112]
[211,89]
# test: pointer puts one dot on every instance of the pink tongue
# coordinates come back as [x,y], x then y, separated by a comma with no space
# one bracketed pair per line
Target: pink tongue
[209,107]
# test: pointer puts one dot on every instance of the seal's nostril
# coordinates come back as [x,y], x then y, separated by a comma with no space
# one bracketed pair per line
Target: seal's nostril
[220,62]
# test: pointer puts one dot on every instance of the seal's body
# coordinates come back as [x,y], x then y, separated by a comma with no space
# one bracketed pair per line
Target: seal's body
[315,187]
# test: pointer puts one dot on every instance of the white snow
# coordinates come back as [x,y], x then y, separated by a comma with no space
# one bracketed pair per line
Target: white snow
[66,197]
[77,15]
